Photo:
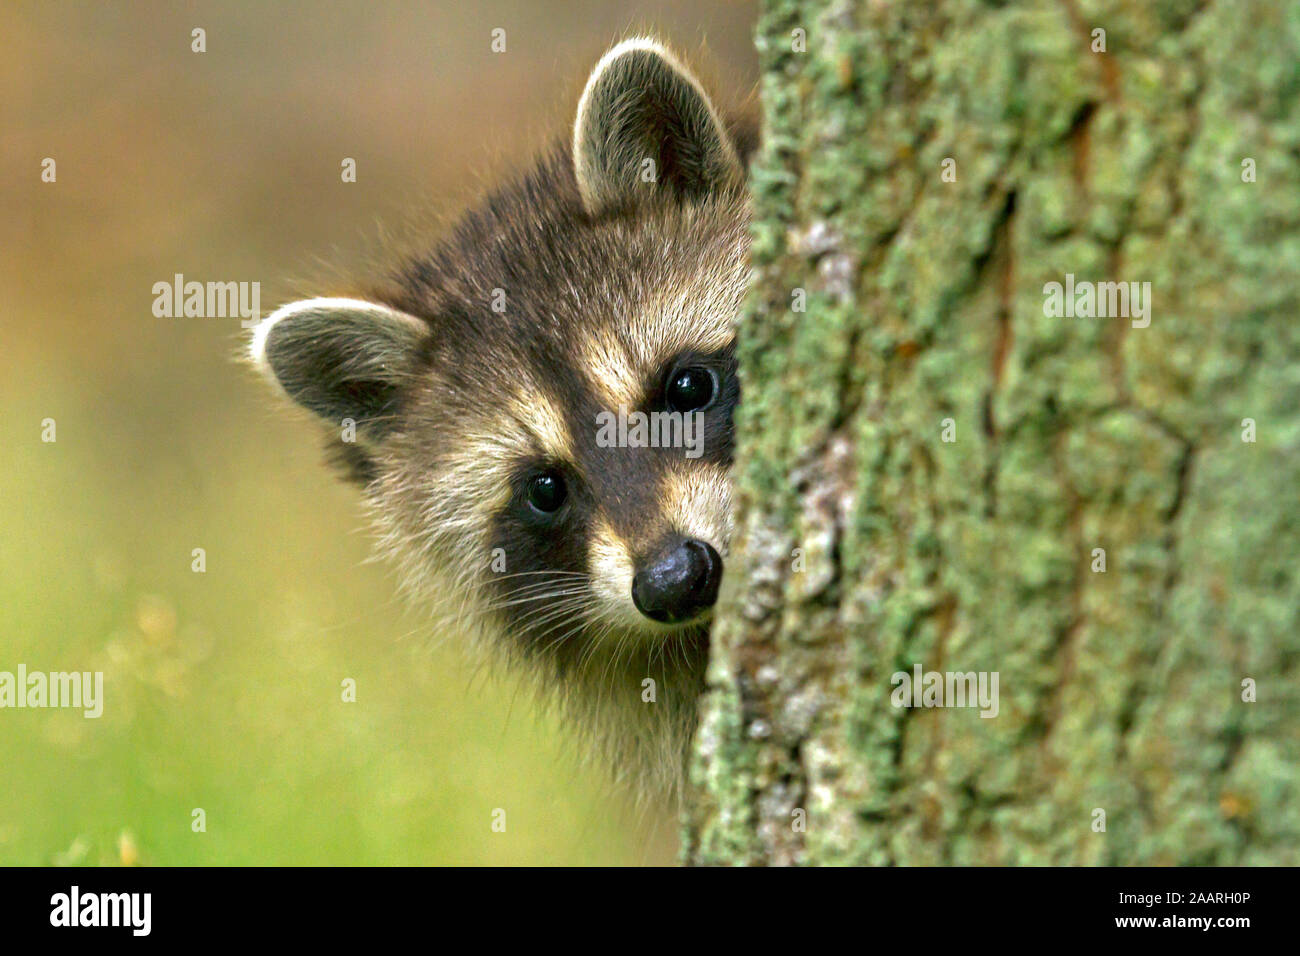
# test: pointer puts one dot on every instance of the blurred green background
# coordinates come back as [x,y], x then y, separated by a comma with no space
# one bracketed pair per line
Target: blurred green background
[222,689]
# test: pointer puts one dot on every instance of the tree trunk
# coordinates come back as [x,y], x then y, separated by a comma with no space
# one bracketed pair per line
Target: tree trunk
[931,465]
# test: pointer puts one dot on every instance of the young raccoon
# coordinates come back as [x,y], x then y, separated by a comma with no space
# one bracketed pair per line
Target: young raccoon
[606,280]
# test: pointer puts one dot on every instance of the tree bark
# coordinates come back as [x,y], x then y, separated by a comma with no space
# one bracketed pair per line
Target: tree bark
[867,544]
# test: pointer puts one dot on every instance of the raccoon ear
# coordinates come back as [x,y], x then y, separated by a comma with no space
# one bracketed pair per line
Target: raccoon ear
[645,123]
[340,358]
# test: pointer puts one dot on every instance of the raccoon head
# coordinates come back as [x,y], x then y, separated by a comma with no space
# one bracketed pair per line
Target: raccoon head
[541,405]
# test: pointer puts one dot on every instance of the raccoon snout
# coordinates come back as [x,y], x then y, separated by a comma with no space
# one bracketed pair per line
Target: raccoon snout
[679,584]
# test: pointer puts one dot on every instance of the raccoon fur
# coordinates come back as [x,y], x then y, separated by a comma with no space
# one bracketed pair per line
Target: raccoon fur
[605,280]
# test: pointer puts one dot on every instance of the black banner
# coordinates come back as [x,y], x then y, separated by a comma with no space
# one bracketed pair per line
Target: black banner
[926,905]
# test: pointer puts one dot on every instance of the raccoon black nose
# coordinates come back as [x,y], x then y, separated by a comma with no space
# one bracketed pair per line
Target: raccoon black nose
[680,584]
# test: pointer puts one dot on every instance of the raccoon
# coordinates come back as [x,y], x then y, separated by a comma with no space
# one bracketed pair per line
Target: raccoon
[605,280]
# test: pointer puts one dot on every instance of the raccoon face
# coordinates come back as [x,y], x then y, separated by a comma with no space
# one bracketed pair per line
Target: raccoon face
[543,403]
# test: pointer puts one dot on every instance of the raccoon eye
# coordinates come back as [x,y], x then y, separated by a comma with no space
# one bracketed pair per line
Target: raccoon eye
[546,491]
[690,389]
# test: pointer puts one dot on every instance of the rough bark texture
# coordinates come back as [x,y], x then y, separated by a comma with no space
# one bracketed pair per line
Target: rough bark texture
[867,544]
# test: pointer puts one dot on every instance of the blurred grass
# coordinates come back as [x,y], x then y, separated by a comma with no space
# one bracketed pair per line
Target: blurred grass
[223,689]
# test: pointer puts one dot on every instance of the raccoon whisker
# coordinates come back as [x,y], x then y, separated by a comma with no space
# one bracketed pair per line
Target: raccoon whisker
[572,607]
[669,650]
[555,574]
[674,644]
[527,586]
[613,658]
[674,647]
[543,596]
[516,600]
[545,583]
[531,625]
[565,636]
[589,655]
[657,652]
[609,629]
[532,616]
[611,625]
[541,615]
[558,586]
[628,642]
[533,588]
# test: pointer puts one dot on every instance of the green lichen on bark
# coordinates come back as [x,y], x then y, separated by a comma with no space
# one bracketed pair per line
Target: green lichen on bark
[866,544]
